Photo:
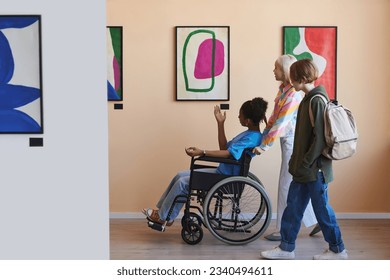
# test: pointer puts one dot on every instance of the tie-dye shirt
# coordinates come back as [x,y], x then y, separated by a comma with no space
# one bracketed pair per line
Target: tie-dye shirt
[283,119]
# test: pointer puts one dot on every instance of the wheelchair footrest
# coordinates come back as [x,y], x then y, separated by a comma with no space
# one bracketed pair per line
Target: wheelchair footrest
[156,226]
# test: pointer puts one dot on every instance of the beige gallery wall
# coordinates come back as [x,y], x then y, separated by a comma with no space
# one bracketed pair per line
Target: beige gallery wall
[147,138]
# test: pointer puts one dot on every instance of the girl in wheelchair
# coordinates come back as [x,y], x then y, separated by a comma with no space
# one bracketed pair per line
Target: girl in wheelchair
[251,114]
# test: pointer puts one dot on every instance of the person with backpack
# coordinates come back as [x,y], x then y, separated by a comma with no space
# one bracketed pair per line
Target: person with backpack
[281,124]
[311,172]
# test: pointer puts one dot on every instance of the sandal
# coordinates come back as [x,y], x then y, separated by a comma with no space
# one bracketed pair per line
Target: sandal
[315,230]
[274,236]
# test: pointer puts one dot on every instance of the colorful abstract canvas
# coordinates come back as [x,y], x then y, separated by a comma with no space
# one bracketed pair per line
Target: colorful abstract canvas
[202,63]
[114,63]
[317,43]
[20,74]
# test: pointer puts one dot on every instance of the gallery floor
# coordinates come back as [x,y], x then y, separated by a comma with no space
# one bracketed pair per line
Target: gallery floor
[131,239]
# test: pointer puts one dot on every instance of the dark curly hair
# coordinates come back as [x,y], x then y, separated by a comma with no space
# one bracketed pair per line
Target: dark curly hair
[255,109]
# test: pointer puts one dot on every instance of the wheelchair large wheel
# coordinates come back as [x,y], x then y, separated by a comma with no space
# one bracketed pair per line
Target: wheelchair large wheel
[237,210]
[191,217]
[264,203]
[255,178]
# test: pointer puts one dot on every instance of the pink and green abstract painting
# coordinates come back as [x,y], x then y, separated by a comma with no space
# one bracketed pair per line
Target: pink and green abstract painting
[114,63]
[20,74]
[318,44]
[202,61]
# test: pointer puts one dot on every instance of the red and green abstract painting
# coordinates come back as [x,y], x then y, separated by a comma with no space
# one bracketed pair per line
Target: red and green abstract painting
[320,45]
[202,61]
[20,74]
[114,63]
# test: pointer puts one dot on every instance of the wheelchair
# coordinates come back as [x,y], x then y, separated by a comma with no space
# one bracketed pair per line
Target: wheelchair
[235,209]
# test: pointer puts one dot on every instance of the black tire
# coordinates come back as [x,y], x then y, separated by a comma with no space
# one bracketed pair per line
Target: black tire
[192,233]
[237,210]
[255,178]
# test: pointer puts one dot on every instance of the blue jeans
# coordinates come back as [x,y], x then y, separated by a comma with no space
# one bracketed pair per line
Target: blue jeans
[298,198]
[178,186]
[285,178]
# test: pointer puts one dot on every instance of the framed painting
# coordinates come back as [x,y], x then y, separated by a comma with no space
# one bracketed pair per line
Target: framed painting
[114,63]
[202,63]
[318,43]
[20,74]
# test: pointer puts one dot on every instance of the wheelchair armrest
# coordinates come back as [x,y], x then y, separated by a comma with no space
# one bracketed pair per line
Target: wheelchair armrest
[216,159]
[243,162]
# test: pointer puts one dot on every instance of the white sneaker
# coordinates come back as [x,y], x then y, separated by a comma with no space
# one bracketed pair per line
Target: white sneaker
[330,255]
[278,254]
[147,212]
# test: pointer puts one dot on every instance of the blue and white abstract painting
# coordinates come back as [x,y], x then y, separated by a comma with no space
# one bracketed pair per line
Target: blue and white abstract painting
[20,74]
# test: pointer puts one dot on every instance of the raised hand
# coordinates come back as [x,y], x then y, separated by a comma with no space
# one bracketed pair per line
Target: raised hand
[219,116]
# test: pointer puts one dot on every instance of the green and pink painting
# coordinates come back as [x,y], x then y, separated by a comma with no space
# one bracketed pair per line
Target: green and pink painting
[202,60]
[318,44]
[114,63]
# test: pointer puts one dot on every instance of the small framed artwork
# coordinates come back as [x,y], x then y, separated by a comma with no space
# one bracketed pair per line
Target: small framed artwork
[318,43]
[114,63]
[20,74]
[202,63]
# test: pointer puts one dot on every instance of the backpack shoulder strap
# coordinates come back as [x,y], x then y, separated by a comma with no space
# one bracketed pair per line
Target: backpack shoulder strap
[310,111]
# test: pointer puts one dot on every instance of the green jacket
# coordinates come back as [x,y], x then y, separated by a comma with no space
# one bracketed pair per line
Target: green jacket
[309,141]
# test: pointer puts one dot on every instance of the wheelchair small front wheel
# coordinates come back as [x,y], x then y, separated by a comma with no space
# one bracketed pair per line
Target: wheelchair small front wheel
[192,233]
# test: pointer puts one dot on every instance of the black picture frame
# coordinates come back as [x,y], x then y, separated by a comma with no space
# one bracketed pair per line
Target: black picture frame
[115,63]
[21,110]
[320,44]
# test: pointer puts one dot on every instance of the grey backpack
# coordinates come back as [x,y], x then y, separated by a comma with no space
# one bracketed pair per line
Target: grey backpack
[339,129]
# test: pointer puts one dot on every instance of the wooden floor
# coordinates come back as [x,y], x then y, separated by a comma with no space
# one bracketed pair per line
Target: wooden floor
[133,240]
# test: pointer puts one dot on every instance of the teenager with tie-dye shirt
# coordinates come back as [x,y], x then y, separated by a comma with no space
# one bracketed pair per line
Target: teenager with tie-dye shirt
[281,125]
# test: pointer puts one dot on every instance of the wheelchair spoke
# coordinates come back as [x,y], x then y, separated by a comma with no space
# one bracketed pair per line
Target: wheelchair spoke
[237,211]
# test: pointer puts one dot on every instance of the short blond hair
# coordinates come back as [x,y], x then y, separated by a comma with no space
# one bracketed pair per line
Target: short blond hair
[286,61]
